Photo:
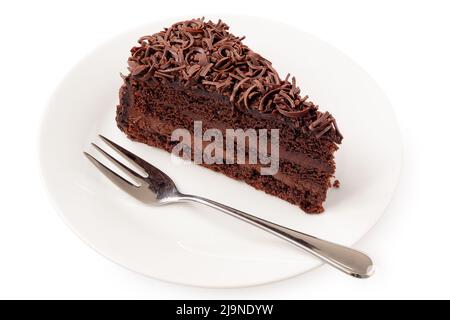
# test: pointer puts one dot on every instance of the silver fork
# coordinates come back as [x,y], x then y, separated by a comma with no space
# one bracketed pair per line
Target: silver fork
[157,188]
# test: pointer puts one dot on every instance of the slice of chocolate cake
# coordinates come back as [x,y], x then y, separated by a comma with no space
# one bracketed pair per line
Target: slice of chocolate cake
[198,71]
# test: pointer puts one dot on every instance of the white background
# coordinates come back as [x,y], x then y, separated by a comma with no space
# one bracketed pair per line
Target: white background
[404,45]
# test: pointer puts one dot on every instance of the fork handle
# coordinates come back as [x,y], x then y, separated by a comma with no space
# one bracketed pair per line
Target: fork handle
[345,259]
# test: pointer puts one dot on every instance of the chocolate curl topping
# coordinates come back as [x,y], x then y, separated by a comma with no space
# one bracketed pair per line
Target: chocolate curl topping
[204,54]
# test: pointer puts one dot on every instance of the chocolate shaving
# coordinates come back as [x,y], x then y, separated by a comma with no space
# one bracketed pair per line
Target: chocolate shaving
[139,70]
[203,54]
[294,114]
[205,70]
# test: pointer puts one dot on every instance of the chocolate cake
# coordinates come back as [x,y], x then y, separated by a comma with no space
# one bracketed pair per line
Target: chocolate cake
[198,71]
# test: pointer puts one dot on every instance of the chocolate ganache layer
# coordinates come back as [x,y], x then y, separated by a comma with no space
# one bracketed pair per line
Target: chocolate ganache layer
[197,70]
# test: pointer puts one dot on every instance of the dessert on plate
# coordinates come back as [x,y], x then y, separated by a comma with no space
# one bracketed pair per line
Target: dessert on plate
[197,70]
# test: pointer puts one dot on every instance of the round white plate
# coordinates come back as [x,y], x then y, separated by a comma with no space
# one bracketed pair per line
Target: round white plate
[193,245]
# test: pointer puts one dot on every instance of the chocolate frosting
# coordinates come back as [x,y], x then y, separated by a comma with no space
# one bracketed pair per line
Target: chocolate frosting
[200,54]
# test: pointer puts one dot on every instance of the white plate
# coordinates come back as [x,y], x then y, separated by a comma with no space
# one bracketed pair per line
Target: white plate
[193,245]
